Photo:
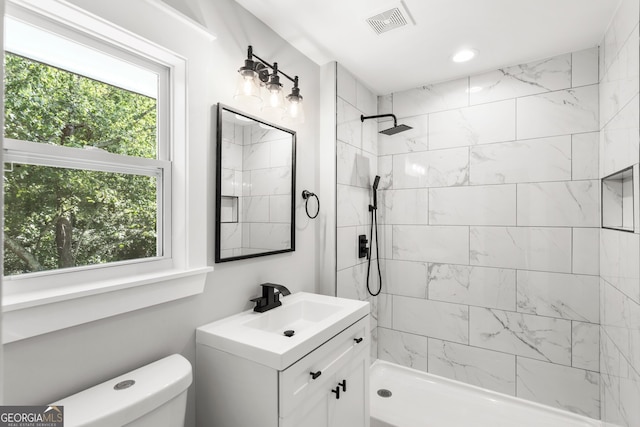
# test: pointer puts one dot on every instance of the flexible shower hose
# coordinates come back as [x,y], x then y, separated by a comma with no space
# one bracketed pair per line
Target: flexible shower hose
[374,219]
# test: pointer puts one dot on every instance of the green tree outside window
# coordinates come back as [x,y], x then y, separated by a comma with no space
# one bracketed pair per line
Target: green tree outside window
[57,217]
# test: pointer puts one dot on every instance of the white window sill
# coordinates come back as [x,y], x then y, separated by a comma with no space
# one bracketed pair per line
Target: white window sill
[34,313]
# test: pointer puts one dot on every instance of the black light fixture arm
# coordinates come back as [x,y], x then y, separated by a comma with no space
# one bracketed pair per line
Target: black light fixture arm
[395,120]
[274,67]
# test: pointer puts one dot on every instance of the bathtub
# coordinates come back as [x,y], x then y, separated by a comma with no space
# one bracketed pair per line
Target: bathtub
[419,399]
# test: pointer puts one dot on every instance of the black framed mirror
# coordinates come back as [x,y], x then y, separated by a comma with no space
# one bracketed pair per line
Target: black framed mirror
[255,187]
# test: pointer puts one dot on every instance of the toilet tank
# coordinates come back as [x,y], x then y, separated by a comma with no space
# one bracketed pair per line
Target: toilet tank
[156,398]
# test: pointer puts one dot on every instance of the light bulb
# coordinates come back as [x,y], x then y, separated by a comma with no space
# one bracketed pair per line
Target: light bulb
[247,92]
[247,86]
[293,110]
[273,106]
[274,99]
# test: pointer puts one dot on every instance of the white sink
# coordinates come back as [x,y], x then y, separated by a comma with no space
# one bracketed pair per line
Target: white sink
[260,337]
[296,316]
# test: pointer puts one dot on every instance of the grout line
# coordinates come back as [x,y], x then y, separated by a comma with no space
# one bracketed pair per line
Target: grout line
[571,70]
[571,250]
[515,368]
[517,185]
[515,127]
[571,344]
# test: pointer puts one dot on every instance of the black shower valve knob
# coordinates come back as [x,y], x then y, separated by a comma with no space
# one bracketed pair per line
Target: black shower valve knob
[363,250]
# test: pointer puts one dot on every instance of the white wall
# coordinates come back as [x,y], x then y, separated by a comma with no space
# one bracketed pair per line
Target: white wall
[48,367]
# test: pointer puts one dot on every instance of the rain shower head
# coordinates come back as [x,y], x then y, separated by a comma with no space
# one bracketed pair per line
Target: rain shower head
[391,131]
[395,129]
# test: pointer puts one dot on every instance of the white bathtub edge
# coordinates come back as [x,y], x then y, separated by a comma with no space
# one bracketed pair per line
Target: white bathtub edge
[489,393]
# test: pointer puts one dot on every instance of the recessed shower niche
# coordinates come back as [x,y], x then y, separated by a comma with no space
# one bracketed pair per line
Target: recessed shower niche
[618,204]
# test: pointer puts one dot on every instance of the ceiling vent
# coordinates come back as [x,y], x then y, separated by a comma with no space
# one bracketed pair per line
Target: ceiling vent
[390,19]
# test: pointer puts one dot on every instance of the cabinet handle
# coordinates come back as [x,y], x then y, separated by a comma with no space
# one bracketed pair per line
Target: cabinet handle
[344,385]
[315,375]
[337,392]
[358,340]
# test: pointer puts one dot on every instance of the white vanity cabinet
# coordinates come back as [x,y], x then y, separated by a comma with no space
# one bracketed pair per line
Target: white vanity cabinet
[328,387]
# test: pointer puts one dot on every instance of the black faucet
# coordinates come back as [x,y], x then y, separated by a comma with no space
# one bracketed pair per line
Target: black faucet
[270,299]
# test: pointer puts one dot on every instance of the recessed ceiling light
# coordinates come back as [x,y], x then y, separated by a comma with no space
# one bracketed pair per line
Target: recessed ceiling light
[464,55]
[474,89]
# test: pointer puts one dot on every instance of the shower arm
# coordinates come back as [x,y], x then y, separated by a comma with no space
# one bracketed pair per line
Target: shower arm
[395,120]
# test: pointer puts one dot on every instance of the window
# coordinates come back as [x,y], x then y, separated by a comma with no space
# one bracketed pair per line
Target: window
[84,169]
[95,171]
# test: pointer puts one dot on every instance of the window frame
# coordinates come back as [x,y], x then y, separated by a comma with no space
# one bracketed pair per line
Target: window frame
[41,302]
[35,153]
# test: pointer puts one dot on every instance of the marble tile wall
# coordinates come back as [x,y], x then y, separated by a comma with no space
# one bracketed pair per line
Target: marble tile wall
[620,250]
[266,198]
[356,167]
[256,172]
[491,215]
[232,178]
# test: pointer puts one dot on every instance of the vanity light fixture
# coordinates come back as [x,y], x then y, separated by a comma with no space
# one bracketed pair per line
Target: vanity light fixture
[256,74]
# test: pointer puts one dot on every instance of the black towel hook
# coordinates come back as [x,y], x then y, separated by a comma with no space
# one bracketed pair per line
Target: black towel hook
[306,195]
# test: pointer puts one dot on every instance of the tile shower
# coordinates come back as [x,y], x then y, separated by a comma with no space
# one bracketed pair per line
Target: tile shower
[503,292]
[495,269]
[256,190]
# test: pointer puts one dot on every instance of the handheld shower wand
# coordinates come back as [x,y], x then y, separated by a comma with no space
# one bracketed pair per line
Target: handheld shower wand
[376,181]
[374,220]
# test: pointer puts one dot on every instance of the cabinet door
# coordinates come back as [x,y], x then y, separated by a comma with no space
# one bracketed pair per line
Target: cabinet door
[352,409]
[324,409]
[313,413]
[297,384]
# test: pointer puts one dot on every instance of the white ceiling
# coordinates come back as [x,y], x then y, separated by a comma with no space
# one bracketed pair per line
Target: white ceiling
[505,32]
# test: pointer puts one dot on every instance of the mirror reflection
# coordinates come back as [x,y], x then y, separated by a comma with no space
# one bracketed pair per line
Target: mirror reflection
[255,187]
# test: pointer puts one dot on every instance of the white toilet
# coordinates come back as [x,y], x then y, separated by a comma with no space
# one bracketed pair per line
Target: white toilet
[152,396]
